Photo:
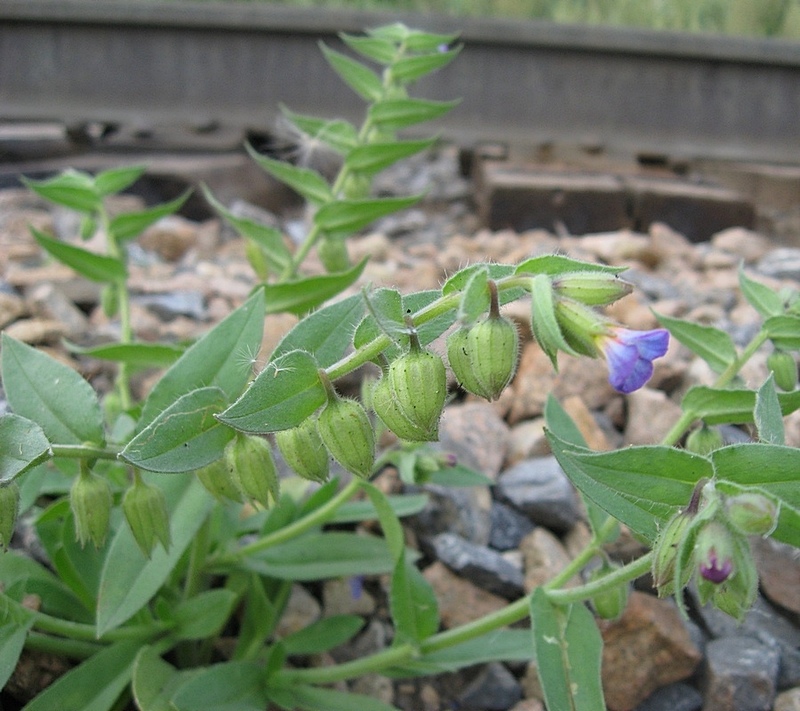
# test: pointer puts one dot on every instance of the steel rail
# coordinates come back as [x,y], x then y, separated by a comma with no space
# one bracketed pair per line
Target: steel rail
[530,83]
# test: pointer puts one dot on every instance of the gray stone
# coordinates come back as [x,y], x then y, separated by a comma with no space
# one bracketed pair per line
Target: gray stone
[461,510]
[481,565]
[178,303]
[783,263]
[494,689]
[674,697]
[509,527]
[740,675]
[540,489]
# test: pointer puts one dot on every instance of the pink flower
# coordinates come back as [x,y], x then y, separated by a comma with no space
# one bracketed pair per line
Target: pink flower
[715,570]
[630,355]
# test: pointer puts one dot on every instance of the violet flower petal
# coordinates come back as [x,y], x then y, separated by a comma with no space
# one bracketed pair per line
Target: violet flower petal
[630,356]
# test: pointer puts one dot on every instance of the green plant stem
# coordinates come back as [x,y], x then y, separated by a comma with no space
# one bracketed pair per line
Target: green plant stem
[71,648]
[80,631]
[315,518]
[83,451]
[723,380]
[514,612]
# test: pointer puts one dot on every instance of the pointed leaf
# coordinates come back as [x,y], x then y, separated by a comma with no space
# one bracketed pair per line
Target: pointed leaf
[269,238]
[131,224]
[309,183]
[568,653]
[286,392]
[96,267]
[303,295]
[325,333]
[396,114]
[385,307]
[352,215]
[555,264]
[50,394]
[761,297]
[475,299]
[155,681]
[204,615]
[130,580]
[138,355]
[419,41]
[79,690]
[356,511]
[222,357]
[415,610]
[714,346]
[378,50]
[767,414]
[115,180]
[718,407]
[313,698]
[357,76]
[230,686]
[71,188]
[374,157]
[23,445]
[323,635]
[409,69]
[543,319]
[340,135]
[640,486]
[784,331]
[184,437]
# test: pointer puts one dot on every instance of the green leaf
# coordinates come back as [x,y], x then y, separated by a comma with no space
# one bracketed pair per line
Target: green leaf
[23,445]
[230,686]
[402,505]
[283,394]
[415,610]
[357,76]
[386,316]
[458,475]
[767,414]
[378,50]
[543,320]
[204,615]
[640,486]
[96,267]
[325,333]
[317,556]
[130,580]
[409,69]
[352,215]
[309,183]
[568,654]
[374,157]
[184,437]
[313,698]
[222,357]
[718,407]
[258,619]
[15,622]
[50,394]
[94,685]
[761,297]
[459,280]
[390,523]
[270,239]
[137,355]
[714,346]
[784,331]
[131,224]
[475,299]
[155,681]
[303,295]
[555,264]
[340,135]
[419,41]
[115,180]
[73,189]
[322,635]
[396,114]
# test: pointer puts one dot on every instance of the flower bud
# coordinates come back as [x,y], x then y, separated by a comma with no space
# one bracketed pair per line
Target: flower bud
[347,433]
[90,501]
[250,465]
[332,252]
[784,369]
[9,509]
[609,603]
[714,552]
[736,595]
[591,288]
[418,382]
[217,480]
[145,509]
[580,326]
[669,546]
[751,513]
[703,440]
[303,450]
[387,408]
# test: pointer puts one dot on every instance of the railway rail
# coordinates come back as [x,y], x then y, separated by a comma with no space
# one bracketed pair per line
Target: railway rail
[147,64]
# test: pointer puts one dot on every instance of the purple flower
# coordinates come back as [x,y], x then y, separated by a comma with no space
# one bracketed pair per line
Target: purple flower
[713,569]
[630,355]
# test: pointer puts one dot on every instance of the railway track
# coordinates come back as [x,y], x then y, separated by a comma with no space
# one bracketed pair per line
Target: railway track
[229,66]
